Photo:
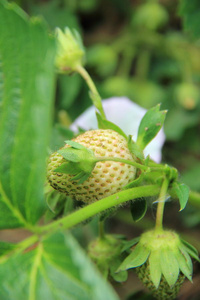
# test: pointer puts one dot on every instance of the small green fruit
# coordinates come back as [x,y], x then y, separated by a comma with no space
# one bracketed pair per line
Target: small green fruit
[162,261]
[107,177]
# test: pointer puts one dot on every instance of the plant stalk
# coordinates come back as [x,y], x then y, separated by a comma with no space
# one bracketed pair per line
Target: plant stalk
[99,206]
[94,95]
[161,205]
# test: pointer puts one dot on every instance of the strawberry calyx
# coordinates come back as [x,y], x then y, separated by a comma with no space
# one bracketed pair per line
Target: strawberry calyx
[166,255]
[79,161]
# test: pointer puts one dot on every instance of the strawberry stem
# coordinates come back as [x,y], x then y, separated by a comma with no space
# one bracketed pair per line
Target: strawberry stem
[92,209]
[125,161]
[161,205]
[94,95]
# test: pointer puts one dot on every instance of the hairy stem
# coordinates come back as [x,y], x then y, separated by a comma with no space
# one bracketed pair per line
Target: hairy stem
[99,206]
[95,97]
[161,205]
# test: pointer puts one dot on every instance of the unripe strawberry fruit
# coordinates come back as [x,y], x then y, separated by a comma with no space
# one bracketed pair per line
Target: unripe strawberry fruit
[164,291]
[107,177]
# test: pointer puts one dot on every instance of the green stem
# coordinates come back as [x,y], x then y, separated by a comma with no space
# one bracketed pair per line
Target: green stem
[99,206]
[96,98]
[125,161]
[161,205]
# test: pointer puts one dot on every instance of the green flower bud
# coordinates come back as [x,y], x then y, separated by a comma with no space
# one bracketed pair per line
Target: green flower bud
[70,52]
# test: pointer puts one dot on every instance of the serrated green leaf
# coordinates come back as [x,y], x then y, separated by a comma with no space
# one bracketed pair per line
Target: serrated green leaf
[155,267]
[191,250]
[169,266]
[182,192]
[134,148]
[150,125]
[26,87]
[105,124]
[138,209]
[185,263]
[56,269]
[190,12]
[137,258]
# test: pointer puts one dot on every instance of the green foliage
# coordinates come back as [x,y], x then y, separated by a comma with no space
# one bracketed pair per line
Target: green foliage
[150,125]
[105,124]
[56,269]
[134,59]
[138,209]
[190,11]
[182,192]
[27,87]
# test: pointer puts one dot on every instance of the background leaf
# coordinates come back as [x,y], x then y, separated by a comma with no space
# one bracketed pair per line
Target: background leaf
[26,89]
[56,269]
[190,12]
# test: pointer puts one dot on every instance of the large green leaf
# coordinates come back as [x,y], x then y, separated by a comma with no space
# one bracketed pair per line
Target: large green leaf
[56,269]
[190,12]
[26,93]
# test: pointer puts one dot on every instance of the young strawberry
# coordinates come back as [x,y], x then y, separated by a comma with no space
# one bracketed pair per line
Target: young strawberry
[162,262]
[98,179]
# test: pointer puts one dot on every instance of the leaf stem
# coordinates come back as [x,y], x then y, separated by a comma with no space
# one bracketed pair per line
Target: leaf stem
[125,161]
[161,205]
[94,95]
[99,206]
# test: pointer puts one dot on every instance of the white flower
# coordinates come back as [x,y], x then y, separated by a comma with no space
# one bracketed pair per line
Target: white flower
[127,115]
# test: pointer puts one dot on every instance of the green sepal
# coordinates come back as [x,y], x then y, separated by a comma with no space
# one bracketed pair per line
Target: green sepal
[182,192]
[155,267]
[82,176]
[105,124]
[75,145]
[135,182]
[138,208]
[67,168]
[169,266]
[135,149]
[80,161]
[150,125]
[137,258]
[118,276]
[129,244]
[185,263]
[192,251]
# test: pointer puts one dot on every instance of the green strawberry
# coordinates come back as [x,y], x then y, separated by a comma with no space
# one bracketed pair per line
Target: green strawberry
[163,291]
[106,177]
[162,261]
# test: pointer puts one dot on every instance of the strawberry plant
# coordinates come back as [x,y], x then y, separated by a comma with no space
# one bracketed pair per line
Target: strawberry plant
[51,194]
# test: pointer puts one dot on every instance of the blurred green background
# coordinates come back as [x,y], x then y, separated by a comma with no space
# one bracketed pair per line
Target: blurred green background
[137,49]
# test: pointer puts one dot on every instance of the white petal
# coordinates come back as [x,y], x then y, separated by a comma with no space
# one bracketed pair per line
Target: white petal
[127,115]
